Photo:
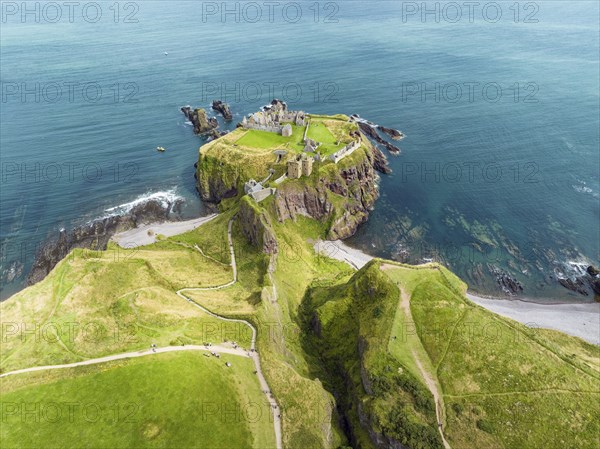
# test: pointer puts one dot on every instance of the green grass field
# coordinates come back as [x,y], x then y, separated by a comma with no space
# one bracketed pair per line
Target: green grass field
[319,131]
[266,140]
[175,400]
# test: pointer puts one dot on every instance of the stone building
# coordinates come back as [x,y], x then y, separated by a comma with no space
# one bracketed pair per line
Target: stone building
[252,186]
[294,169]
[310,145]
[272,117]
[307,166]
[347,150]
[300,166]
[286,131]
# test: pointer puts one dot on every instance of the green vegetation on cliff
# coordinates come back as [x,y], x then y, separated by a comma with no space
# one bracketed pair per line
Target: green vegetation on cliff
[394,333]
[389,356]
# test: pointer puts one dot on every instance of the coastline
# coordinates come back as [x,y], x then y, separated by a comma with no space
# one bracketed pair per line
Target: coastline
[580,320]
[146,234]
[577,319]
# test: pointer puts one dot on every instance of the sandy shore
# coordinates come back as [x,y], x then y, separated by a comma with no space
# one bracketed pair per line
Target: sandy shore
[580,320]
[336,249]
[145,235]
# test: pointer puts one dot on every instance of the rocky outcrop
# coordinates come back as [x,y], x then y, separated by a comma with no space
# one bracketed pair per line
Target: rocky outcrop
[594,274]
[506,281]
[393,133]
[344,200]
[584,284]
[201,122]
[380,162]
[256,226]
[95,235]
[576,285]
[371,132]
[343,197]
[215,180]
[277,105]
[223,109]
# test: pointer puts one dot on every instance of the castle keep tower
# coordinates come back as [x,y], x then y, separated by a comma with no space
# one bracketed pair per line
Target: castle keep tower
[307,166]
[293,169]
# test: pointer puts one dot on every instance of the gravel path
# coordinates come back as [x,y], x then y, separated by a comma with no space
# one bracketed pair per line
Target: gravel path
[578,319]
[145,235]
[130,355]
[253,353]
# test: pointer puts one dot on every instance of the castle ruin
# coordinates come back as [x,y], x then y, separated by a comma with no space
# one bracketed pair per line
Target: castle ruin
[273,117]
[346,151]
[301,165]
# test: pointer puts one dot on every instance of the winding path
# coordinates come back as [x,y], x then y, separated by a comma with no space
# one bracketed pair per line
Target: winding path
[131,355]
[253,354]
[429,380]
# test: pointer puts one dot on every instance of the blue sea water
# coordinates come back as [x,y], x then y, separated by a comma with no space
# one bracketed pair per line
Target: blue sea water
[499,167]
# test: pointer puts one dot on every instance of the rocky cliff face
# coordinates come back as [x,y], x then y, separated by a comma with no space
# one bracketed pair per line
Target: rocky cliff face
[380,440]
[256,226]
[216,180]
[340,195]
[344,198]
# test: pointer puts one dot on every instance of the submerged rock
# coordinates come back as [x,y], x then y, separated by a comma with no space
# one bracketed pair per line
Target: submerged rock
[506,281]
[576,285]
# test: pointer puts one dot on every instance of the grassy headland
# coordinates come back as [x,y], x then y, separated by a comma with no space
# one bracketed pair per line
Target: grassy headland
[366,359]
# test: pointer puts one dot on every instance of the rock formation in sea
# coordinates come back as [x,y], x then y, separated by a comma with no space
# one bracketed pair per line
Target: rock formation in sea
[203,125]
[371,131]
[222,108]
[393,133]
[585,284]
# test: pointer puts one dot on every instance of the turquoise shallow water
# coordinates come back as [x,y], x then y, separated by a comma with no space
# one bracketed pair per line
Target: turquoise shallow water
[508,179]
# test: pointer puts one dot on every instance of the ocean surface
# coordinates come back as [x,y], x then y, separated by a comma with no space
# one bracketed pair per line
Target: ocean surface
[499,170]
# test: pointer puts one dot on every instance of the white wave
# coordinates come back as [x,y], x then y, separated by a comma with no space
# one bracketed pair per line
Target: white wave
[571,269]
[585,189]
[165,198]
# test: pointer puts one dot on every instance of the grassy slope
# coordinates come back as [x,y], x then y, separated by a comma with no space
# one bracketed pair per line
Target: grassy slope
[98,303]
[309,419]
[308,415]
[331,132]
[475,372]
[355,325]
[504,385]
[166,400]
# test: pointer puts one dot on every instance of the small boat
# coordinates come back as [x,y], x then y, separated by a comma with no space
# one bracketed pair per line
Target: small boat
[161,149]
[166,53]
